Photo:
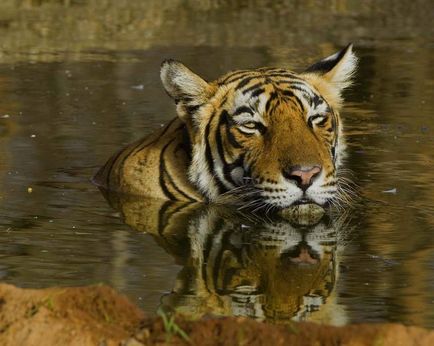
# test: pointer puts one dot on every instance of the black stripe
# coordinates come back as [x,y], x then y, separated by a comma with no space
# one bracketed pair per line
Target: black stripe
[221,153]
[227,121]
[312,118]
[253,87]
[163,170]
[234,74]
[186,143]
[252,74]
[141,146]
[261,127]
[334,121]
[304,91]
[330,183]
[209,157]
[296,85]
[220,149]
[322,122]
[225,98]
[243,109]
[316,100]
[192,109]
[257,92]
[290,81]
[300,83]
[272,97]
[244,82]
[294,97]
[330,174]
[284,74]
[174,186]
[261,73]
[231,137]
[333,151]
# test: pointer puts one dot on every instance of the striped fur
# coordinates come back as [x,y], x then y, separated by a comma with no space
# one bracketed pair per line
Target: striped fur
[235,138]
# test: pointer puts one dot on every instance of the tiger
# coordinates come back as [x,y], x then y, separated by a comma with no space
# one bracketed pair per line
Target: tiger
[235,263]
[268,138]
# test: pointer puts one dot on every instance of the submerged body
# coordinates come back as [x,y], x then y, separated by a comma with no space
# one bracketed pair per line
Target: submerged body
[268,138]
[155,166]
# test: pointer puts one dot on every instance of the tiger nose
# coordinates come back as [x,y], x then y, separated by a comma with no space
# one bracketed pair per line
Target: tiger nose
[304,176]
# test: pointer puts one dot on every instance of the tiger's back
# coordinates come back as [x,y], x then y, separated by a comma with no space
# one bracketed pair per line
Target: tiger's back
[152,166]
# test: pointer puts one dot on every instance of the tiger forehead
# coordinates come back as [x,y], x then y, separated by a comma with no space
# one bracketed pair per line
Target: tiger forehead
[263,72]
[259,90]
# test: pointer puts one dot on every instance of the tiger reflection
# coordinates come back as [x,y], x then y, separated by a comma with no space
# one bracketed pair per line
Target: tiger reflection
[235,264]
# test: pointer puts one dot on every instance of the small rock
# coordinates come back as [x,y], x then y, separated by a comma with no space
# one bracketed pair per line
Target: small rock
[138,87]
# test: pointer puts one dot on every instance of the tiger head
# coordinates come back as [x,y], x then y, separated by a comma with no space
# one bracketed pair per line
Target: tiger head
[267,135]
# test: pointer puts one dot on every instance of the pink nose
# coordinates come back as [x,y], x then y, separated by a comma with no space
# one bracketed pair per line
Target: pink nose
[302,175]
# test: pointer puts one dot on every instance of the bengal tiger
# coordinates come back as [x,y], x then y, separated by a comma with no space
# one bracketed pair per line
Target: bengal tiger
[269,138]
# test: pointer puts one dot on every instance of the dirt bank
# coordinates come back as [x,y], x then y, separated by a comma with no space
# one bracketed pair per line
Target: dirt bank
[98,315]
[65,316]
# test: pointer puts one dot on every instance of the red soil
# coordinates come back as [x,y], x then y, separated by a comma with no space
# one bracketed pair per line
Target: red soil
[98,315]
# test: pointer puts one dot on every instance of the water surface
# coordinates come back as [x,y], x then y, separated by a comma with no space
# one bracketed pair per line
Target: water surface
[63,115]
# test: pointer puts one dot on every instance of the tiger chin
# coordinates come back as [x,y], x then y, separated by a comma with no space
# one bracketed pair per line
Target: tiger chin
[266,139]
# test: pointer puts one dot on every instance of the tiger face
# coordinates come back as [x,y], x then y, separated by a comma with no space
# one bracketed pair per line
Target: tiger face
[267,136]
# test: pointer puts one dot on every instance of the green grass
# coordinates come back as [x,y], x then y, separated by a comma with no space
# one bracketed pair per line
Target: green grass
[170,326]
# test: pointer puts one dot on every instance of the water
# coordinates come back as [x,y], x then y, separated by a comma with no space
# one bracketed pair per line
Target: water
[65,108]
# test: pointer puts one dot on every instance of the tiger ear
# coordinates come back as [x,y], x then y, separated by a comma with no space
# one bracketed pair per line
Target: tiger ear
[187,89]
[337,69]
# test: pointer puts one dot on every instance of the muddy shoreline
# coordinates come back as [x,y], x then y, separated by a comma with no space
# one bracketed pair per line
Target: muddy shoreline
[98,315]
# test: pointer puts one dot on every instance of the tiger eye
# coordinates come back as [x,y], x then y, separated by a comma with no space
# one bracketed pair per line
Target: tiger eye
[250,125]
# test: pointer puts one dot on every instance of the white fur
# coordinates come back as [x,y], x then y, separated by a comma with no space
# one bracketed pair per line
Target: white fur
[179,81]
[342,73]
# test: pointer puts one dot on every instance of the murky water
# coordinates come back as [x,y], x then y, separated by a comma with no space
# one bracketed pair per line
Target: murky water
[63,115]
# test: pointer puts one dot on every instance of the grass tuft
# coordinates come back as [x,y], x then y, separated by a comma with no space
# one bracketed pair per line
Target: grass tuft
[170,326]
